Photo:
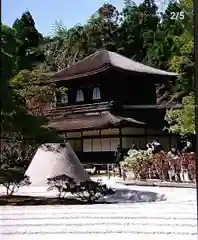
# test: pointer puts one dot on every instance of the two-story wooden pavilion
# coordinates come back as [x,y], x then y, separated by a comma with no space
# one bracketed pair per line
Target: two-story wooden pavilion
[110,100]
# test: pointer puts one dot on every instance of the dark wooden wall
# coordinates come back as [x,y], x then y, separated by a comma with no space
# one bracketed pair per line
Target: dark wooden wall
[129,89]
[118,86]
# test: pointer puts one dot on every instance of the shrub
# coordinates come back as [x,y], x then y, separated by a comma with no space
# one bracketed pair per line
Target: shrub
[13,179]
[189,162]
[91,191]
[62,184]
[146,165]
[138,161]
[160,166]
[88,191]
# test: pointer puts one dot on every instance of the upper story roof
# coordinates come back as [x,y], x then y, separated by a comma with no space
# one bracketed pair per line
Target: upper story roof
[102,60]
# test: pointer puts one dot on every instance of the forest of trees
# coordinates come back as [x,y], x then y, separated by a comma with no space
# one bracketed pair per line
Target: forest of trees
[139,32]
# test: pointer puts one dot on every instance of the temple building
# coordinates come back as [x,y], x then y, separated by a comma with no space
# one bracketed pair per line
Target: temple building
[110,100]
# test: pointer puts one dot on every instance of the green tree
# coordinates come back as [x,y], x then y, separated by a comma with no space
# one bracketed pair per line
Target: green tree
[102,28]
[173,51]
[8,65]
[67,46]
[34,88]
[182,121]
[27,52]
[165,46]
[183,61]
[15,119]
[56,49]
[137,30]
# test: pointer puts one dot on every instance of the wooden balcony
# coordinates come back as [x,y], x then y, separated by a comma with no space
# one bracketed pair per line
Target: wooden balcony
[73,109]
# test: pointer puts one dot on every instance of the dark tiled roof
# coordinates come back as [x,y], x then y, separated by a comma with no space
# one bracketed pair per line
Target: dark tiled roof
[102,60]
[91,121]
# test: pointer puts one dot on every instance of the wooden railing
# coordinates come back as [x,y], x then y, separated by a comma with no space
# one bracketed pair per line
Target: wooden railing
[72,109]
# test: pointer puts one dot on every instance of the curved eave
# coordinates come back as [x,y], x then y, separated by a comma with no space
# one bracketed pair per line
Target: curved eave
[98,122]
[81,75]
[159,74]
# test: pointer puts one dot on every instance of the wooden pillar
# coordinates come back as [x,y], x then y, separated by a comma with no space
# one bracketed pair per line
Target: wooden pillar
[81,138]
[108,170]
[169,139]
[91,137]
[100,137]
[65,137]
[146,135]
[120,137]
[113,169]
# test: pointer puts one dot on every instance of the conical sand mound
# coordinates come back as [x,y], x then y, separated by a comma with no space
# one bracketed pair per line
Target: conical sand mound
[52,160]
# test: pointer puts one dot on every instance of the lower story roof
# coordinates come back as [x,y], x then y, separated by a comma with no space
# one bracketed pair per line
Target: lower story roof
[92,121]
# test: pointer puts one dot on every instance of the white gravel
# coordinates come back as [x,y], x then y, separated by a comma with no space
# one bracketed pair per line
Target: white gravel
[175,218]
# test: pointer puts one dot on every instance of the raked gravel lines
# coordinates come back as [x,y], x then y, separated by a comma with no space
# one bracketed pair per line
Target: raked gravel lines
[146,220]
[175,218]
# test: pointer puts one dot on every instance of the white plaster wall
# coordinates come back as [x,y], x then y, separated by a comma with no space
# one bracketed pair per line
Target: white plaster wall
[91,133]
[140,142]
[96,145]
[104,144]
[113,131]
[87,145]
[134,131]
[74,135]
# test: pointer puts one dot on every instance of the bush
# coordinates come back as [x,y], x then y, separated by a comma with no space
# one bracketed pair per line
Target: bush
[88,191]
[13,179]
[138,161]
[91,191]
[160,166]
[62,184]
[13,157]
[189,162]
[146,165]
